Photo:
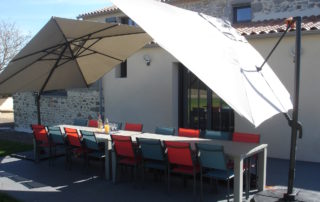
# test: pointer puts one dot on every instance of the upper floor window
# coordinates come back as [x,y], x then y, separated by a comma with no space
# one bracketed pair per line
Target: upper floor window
[128,21]
[242,14]
[111,20]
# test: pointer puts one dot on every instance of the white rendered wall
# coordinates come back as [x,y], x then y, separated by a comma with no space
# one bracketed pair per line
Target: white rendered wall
[148,95]
[276,132]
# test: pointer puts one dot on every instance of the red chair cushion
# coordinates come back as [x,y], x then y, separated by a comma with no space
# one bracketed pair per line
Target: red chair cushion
[185,132]
[93,123]
[123,146]
[133,127]
[179,153]
[246,137]
[40,134]
[73,137]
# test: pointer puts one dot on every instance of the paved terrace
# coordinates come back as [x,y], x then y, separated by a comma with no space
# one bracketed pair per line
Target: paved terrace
[29,181]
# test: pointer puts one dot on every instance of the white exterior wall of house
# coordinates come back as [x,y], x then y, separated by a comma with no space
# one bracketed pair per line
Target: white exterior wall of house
[148,95]
[6,104]
[275,131]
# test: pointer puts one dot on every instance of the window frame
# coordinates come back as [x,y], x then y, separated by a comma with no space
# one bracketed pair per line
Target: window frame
[235,9]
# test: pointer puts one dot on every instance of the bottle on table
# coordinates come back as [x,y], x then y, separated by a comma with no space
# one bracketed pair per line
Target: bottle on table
[100,122]
[106,126]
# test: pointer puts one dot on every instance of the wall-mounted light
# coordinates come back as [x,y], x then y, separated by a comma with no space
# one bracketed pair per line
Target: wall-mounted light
[147,59]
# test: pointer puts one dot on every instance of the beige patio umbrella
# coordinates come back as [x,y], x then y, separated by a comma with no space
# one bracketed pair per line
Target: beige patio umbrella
[70,54]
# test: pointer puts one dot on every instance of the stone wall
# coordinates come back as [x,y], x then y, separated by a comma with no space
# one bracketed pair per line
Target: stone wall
[261,9]
[80,103]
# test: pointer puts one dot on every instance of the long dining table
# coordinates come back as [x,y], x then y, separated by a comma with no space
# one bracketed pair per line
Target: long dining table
[236,151]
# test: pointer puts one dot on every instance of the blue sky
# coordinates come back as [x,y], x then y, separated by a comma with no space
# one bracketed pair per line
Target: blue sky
[31,15]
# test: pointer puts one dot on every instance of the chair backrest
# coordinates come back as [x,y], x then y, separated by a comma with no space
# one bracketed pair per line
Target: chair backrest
[89,140]
[211,156]
[123,145]
[186,132]
[40,133]
[93,123]
[80,122]
[73,137]
[56,135]
[151,149]
[179,153]
[164,131]
[217,135]
[246,137]
[133,127]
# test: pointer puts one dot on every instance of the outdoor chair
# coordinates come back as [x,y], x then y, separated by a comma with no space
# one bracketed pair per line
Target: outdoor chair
[251,161]
[164,131]
[125,152]
[213,165]
[217,135]
[75,146]
[93,123]
[41,140]
[57,140]
[181,160]
[185,132]
[153,155]
[94,148]
[80,122]
[133,127]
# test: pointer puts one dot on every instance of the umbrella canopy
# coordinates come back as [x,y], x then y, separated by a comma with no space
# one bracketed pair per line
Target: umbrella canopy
[216,54]
[70,54]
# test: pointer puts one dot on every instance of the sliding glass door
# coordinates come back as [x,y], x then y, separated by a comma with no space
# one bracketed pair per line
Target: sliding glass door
[199,107]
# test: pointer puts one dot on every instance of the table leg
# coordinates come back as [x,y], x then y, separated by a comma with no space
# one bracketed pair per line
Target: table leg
[107,162]
[238,179]
[262,167]
[35,151]
[114,166]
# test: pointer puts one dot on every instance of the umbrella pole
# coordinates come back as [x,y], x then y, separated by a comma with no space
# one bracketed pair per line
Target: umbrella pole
[46,82]
[295,125]
[38,108]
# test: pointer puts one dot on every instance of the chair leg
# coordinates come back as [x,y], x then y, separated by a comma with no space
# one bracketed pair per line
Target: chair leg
[194,183]
[248,165]
[169,179]
[228,189]
[201,186]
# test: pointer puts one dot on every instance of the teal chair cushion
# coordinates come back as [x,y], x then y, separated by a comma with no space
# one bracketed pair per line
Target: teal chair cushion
[164,131]
[56,135]
[89,140]
[217,135]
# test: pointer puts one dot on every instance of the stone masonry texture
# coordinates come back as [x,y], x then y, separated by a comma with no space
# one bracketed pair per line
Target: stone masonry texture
[224,8]
[80,103]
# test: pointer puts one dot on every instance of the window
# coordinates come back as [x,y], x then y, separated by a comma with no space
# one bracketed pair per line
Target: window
[128,21]
[242,14]
[111,20]
[121,70]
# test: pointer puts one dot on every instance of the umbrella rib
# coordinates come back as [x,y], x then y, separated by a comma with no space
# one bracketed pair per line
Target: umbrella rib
[97,52]
[61,44]
[47,53]
[56,65]
[78,54]
[116,35]
[82,43]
